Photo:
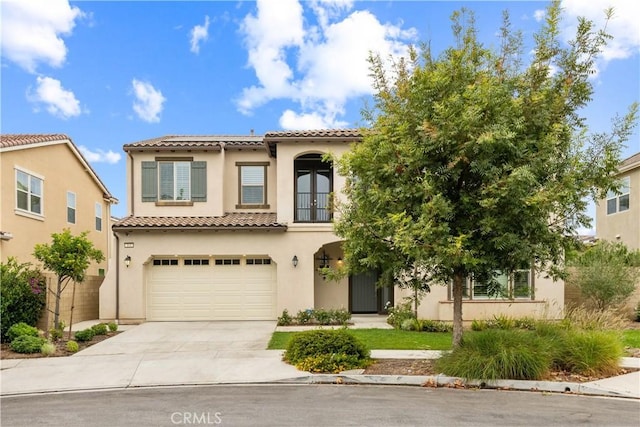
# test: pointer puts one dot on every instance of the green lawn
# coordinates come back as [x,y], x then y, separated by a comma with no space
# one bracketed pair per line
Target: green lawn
[631,338]
[383,339]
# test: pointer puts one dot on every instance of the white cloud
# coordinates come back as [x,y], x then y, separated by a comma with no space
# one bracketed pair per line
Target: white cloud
[539,15]
[32,30]
[199,33]
[100,156]
[624,26]
[57,100]
[149,101]
[319,67]
[315,120]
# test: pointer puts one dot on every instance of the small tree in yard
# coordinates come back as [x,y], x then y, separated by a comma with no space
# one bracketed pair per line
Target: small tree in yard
[473,163]
[605,273]
[68,256]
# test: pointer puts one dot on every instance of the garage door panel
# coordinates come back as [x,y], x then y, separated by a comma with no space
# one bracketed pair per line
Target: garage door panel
[227,292]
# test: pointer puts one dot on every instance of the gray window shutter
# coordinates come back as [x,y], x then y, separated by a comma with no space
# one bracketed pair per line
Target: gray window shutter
[149,181]
[199,181]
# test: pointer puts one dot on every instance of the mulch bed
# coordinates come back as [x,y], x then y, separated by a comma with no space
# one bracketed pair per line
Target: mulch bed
[61,348]
[426,367]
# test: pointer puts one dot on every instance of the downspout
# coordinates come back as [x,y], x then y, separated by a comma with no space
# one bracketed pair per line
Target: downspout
[117,277]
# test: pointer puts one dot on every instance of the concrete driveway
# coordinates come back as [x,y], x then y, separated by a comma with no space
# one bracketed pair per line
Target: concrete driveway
[158,353]
[219,339]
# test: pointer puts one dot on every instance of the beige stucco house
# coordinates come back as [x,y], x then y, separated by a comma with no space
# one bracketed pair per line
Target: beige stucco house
[618,216]
[237,227]
[47,186]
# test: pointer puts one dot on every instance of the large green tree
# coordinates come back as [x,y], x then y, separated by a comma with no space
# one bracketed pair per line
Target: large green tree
[475,162]
[68,256]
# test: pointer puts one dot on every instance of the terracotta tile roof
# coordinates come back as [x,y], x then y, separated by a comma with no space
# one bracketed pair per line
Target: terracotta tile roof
[191,142]
[317,133]
[233,221]
[19,139]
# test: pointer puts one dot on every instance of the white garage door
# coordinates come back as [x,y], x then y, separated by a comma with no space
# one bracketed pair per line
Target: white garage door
[211,289]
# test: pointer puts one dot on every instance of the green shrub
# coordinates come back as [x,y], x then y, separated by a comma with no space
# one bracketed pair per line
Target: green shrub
[528,323]
[304,316]
[99,329]
[285,319]
[341,316]
[326,342]
[478,325]
[322,316]
[638,312]
[331,363]
[498,354]
[21,329]
[85,335]
[72,346]
[501,321]
[48,349]
[435,326]
[410,325]
[27,344]
[591,352]
[22,295]
[113,326]
[399,313]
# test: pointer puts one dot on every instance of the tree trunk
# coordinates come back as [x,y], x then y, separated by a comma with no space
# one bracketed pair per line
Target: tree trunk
[56,312]
[458,282]
[73,303]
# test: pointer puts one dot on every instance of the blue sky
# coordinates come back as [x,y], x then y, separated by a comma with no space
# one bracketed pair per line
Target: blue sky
[111,73]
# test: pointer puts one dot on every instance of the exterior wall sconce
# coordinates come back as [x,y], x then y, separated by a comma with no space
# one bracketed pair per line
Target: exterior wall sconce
[127,261]
[339,261]
[294,261]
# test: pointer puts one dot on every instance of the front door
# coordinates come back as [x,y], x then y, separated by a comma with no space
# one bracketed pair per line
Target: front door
[363,294]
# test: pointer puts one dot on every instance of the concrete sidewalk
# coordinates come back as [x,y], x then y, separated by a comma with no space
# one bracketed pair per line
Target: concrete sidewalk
[196,353]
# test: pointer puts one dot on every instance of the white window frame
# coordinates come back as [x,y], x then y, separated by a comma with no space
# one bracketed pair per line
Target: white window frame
[98,210]
[625,193]
[30,194]
[71,206]
[176,189]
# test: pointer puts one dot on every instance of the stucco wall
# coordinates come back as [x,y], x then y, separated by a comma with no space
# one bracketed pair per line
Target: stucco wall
[548,303]
[622,226]
[61,172]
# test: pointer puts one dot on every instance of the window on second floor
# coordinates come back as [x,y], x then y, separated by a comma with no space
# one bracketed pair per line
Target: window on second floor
[174,180]
[71,207]
[252,185]
[29,192]
[98,217]
[619,202]
[313,188]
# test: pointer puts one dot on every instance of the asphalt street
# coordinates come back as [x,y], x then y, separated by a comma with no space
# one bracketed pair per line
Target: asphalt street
[315,405]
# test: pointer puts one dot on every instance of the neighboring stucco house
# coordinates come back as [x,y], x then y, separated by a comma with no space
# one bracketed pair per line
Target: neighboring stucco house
[47,186]
[237,227]
[618,216]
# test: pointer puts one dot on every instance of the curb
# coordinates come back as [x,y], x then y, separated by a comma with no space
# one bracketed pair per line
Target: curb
[443,381]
